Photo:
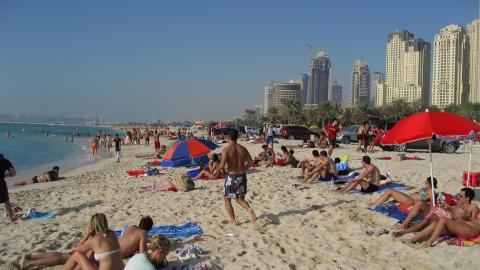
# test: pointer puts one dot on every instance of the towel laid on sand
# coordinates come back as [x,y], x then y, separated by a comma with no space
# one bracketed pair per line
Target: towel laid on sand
[172,231]
[381,189]
[457,241]
[392,210]
[41,216]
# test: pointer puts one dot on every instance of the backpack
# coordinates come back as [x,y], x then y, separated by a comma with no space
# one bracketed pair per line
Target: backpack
[184,184]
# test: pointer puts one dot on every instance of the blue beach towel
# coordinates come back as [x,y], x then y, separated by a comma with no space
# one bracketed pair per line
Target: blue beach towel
[41,216]
[393,211]
[171,231]
[394,186]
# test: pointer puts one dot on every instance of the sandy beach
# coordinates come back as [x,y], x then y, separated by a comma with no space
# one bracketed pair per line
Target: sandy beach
[313,228]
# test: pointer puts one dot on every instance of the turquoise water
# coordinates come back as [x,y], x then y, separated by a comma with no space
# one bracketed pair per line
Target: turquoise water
[31,151]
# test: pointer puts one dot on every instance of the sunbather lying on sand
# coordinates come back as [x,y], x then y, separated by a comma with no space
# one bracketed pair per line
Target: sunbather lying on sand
[44,177]
[132,241]
[369,179]
[464,210]
[419,200]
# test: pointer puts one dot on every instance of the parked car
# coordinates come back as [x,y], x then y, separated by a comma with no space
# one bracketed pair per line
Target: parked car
[349,134]
[223,131]
[447,146]
[296,132]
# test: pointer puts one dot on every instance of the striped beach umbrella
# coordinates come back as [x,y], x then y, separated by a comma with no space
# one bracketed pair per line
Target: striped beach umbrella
[185,152]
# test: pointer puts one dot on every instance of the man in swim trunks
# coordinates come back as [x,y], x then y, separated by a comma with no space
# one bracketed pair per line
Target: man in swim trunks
[156,141]
[6,169]
[368,180]
[326,169]
[308,164]
[238,160]
[267,157]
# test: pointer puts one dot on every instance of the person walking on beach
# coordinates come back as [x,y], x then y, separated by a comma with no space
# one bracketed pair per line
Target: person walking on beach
[156,141]
[238,160]
[118,143]
[6,169]
[94,146]
[331,130]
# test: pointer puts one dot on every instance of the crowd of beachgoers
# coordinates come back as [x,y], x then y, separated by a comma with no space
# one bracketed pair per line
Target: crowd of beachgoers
[315,174]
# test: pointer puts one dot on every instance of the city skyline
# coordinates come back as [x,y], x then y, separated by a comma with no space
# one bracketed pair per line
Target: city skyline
[96,58]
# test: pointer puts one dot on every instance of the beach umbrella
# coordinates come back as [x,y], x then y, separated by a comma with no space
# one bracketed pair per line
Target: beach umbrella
[426,125]
[184,151]
[207,143]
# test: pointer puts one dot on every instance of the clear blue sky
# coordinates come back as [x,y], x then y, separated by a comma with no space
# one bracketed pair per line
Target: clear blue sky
[147,60]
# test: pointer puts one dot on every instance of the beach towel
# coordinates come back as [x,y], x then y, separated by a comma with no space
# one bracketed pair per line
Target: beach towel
[40,216]
[381,189]
[172,231]
[168,186]
[204,178]
[406,158]
[392,210]
[154,163]
[458,241]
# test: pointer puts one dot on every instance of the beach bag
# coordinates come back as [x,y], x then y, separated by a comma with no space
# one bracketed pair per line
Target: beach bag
[184,183]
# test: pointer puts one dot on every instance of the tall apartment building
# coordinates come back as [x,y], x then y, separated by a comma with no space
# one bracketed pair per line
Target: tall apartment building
[377,77]
[277,92]
[450,75]
[319,81]
[473,36]
[360,83]
[304,87]
[408,68]
[337,94]
[380,96]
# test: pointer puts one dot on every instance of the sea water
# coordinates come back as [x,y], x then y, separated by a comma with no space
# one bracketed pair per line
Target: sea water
[35,148]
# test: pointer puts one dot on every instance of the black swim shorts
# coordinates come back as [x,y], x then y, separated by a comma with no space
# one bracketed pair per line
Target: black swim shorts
[3,191]
[235,185]
[371,188]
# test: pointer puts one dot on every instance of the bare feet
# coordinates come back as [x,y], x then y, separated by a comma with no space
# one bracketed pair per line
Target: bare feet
[398,233]
[23,264]
[234,222]
[252,216]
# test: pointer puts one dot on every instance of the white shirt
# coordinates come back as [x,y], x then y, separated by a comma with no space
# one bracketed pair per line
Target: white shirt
[139,262]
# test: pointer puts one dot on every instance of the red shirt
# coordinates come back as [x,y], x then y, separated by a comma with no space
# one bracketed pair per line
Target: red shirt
[331,131]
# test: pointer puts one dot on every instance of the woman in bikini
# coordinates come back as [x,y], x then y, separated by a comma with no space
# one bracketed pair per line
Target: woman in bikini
[103,242]
[212,167]
[423,194]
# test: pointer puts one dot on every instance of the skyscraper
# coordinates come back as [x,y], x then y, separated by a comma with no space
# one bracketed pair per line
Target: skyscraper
[408,68]
[473,34]
[360,83]
[380,89]
[277,93]
[337,94]
[450,67]
[304,87]
[319,80]
[377,77]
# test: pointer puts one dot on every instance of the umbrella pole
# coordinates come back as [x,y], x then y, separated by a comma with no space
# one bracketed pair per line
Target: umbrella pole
[431,171]
[469,163]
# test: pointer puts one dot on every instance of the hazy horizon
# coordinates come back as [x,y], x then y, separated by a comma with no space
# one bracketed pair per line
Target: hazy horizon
[173,60]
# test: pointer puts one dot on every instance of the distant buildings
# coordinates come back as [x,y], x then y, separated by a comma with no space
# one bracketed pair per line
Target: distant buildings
[408,68]
[450,84]
[337,94]
[258,111]
[380,95]
[473,36]
[376,78]
[277,93]
[304,87]
[360,83]
[318,85]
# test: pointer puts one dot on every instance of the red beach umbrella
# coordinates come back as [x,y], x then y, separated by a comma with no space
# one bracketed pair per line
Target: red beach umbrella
[424,125]
[220,125]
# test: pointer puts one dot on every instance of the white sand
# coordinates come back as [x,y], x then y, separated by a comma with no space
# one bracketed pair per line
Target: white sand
[297,229]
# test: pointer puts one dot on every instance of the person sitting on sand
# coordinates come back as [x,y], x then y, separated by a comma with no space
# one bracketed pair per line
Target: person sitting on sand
[308,164]
[416,199]
[209,172]
[103,242]
[49,176]
[463,210]
[460,228]
[368,180]
[326,170]
[267,157]
[154,258]
[290,159]
[133,240]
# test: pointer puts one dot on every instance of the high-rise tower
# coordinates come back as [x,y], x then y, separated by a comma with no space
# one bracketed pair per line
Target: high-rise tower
[360,83]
